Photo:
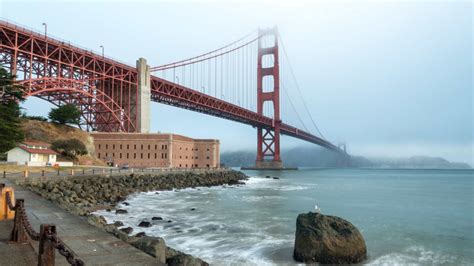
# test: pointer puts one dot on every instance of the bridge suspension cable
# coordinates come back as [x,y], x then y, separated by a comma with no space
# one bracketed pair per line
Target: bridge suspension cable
[298,88]
[229,73]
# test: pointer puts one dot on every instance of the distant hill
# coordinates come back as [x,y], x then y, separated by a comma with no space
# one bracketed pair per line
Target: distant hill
[319,157]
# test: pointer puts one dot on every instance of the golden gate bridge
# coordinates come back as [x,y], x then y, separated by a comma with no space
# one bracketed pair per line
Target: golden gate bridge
[245,81]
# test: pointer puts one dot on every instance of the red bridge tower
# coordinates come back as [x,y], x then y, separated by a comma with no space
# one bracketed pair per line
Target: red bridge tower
[268,138]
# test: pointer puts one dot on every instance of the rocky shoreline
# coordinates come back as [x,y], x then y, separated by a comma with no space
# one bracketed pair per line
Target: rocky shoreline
[86,194]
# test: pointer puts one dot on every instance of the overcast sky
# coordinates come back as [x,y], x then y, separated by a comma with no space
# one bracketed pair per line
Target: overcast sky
[391,79]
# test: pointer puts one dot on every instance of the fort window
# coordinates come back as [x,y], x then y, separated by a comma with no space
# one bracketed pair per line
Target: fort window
[186,166]
[106,146]
[166,155]
[99,146]
[120,155]
[207,165]
[148,146]
[113,155]
[142,147]
[156,147]
[134,146]
[155,155]
[127,155]
[186,158]
[148,156]
[141,155]
[113,146]
[98,155]
[120,146]
[180,157]
[179,165]
[196,157]
[207,157]
[207,149]
[134,156]
[106,155]
[128,146]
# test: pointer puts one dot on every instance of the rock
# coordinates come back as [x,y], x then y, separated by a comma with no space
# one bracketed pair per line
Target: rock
[185,259]
[125,203]
[267,176]
[108,210]
[276,177]
[118,223]
[127,230]
[141,234]
[193,209]
[121,211]
[97,220]
[169,221]
[155,246]
[327,240]
[144,224]
[156,218]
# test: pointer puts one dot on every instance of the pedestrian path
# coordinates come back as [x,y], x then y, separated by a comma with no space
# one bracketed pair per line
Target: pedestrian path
[91,244]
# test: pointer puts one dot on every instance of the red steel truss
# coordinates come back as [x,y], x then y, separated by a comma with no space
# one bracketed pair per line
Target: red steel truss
[106,90]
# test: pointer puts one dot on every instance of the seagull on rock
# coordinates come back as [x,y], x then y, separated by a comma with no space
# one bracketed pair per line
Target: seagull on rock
[317,209]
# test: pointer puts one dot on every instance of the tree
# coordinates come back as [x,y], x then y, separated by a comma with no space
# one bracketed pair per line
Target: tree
[70,148]
[65,114]
[11,95]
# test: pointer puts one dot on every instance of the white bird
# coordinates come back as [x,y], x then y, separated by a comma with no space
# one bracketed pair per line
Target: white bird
[317,209]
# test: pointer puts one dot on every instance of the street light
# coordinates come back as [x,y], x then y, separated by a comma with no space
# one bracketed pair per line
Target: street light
[102,50]
[177,78]
[45,29]
[203,89]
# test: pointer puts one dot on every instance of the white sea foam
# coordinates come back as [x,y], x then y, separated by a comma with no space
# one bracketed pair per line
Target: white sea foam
[416,255]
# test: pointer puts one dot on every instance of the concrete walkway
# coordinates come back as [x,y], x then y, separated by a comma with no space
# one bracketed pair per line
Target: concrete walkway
[14,254]
[91,244]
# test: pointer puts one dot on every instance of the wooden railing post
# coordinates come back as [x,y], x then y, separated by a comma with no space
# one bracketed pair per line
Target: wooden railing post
[18,233]
[46,254]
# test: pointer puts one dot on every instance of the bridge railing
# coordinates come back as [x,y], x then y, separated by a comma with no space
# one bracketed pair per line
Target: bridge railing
[48,239]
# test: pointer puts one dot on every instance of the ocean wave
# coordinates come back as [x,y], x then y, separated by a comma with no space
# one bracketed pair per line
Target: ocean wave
[416,255]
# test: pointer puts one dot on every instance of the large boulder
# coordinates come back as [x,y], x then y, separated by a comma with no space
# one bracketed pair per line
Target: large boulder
[155,246]
[328,240]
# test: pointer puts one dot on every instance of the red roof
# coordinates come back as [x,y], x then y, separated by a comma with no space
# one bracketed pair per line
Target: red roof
[36,143]
[40,151]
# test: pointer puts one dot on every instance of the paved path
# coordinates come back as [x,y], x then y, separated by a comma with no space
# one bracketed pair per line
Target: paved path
[93,245]
[14,254]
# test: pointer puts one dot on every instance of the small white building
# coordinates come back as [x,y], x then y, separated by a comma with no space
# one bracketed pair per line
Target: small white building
[32,153]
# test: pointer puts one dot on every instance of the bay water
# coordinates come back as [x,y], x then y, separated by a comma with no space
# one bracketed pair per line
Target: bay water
[407,217]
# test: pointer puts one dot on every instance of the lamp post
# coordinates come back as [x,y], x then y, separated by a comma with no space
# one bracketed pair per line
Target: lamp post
[177,78]
[203,89]
[45,29]
[102,50]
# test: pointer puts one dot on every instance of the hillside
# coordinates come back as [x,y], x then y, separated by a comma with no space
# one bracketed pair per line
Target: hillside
[49,132]
[318,157]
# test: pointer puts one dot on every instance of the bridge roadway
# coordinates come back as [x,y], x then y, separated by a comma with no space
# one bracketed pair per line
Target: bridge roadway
[93,245]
